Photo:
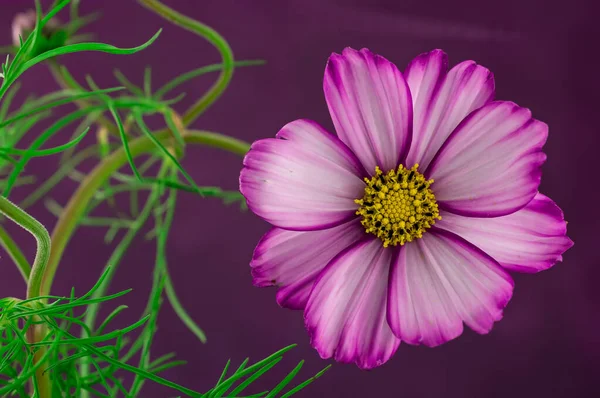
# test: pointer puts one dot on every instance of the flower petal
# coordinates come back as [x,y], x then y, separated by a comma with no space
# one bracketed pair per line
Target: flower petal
[23,23]
[441,100]
[370,105]
[345,314]
[439,281]
[293,260]
[305,179]
[529,240]
[491,164]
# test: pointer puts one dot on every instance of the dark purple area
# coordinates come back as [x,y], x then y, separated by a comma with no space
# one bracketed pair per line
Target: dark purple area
[544,57]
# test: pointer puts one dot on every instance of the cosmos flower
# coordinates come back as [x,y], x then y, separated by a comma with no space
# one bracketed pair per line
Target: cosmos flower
[404,225]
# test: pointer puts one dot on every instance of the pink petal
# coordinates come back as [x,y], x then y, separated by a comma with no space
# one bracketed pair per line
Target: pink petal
[305,179]
[345,314]
[491,164]
[370,105]
[22,24]
[293,260]
[530,240]
[441,100]
[438,282]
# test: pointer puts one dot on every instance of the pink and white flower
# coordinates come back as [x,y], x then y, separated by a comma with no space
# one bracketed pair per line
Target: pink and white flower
[404,225]
[23,23]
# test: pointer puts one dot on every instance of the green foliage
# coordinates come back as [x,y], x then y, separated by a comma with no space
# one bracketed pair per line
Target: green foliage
[58,346]
[108,352]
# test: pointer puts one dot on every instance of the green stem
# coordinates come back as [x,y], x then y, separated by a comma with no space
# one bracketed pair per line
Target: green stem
[15,253]
[215,39]
[39,232]
[67,84]
[180,310]
[114,260]
[35,332]
[76,207]
[57,177]
[217,140]
[157,286]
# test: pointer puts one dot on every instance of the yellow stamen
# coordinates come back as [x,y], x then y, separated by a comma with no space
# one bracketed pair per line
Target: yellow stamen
[398,206]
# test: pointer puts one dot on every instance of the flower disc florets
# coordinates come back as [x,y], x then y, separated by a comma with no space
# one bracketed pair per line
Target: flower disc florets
[398,206]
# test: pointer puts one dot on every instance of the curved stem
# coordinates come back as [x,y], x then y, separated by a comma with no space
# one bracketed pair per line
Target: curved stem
[34,285]
[217,140]
[40,233]
[76,207]
[15,253]
[215,39]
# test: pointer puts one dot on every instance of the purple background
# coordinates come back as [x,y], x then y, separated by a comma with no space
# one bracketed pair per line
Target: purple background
[543,55]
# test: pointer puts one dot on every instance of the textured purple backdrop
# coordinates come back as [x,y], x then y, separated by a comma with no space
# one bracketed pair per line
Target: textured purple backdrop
[543,56]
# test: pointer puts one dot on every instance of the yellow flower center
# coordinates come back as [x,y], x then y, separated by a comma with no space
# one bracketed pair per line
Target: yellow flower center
[398,206]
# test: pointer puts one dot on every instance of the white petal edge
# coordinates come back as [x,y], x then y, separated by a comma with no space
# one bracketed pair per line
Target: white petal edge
[529,240]
[440,281]
[442,99]
[293,260]
[346,311]
[491,164]
[305,179]
[370,105]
